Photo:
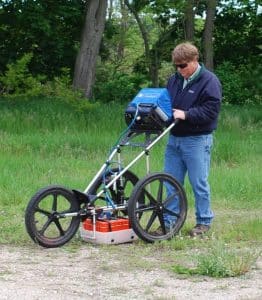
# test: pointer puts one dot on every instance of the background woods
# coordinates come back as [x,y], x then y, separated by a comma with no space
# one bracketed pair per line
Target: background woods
[108,50]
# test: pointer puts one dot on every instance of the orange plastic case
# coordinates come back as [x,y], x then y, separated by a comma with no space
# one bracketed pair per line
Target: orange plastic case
[107,225]
[114,231]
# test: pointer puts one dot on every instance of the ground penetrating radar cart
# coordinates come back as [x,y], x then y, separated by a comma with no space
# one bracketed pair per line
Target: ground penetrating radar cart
[116,206]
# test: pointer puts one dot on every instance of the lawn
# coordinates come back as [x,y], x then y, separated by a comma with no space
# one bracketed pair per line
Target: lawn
[46,142]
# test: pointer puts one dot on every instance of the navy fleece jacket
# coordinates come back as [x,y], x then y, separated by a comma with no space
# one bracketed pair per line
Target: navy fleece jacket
[200,99]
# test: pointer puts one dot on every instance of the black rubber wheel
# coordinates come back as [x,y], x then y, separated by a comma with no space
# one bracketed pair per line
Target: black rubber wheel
[147,219]
[120,191]
[42,220]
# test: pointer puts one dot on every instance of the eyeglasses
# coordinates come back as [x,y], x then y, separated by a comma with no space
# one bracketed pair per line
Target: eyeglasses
[181,66]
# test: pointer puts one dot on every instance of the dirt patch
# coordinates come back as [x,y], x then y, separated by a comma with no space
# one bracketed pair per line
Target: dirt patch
[93,272]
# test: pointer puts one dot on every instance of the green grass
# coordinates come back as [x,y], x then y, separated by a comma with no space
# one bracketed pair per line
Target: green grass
[220,262]
[46,142]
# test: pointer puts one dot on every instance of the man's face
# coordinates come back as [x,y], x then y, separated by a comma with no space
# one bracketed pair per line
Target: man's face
[186,69]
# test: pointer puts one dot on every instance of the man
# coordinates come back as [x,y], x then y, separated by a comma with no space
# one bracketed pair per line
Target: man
[196,97]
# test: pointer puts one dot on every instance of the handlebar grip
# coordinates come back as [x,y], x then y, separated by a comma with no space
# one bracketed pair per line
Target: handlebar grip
[176,121]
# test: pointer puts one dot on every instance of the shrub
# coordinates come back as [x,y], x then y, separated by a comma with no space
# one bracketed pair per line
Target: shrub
[18,81]
[117,86]
[166,70]
[61,88]
[236,84]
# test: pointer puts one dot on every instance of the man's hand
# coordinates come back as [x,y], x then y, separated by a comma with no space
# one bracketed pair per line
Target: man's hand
[179,114]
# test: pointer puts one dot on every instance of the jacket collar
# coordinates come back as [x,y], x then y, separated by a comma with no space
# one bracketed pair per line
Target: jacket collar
[202,69]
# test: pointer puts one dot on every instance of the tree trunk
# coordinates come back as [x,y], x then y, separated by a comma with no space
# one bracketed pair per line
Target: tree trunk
[154,68]
[123,29]
[151,69]
[208,34]
[110,10]
[84,74]
[189,20]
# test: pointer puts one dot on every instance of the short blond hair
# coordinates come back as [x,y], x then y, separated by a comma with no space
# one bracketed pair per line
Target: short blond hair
[185,52]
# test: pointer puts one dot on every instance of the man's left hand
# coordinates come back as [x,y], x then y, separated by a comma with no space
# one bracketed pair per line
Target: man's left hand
[179,114]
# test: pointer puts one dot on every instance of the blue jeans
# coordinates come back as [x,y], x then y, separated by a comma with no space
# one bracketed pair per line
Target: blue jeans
[190,155]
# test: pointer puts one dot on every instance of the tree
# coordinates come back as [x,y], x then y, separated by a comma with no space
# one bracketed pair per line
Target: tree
[123,28]
[208,34]
[48,29]
[144,34]
[237,34]
[84,73]
[189,20]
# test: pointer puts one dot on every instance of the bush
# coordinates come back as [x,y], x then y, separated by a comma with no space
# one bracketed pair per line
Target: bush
[18,81]
[116,86]
[166,70]
[61,88]
[236,84]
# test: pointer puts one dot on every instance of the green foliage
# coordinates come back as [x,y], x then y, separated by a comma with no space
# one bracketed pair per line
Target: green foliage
[50,32]
[112,85]
[240,84]
[220,261]
[49,29]
[166,70]
[61,89]
[18,81]
[237,32]
[121,89]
